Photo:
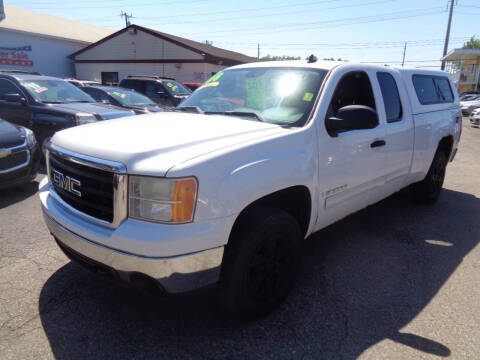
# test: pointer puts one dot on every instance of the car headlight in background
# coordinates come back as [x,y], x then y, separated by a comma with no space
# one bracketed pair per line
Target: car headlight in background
[84,118]
[161,199]
[31,141]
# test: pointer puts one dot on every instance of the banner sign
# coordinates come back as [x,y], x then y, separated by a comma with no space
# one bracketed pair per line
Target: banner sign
[18,56]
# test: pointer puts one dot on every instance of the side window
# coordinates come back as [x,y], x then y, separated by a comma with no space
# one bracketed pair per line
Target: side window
[425,89]
[6,87]
[98,95]
[151,89]
[353,89]
[432,89]
[444,89]
[391,98]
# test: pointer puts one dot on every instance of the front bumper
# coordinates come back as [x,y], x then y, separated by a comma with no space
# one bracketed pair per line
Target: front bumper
[475,120]
[175,273]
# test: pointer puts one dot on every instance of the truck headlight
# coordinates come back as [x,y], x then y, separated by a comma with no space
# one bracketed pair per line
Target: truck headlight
[31,141]
[161,199]
[84,118]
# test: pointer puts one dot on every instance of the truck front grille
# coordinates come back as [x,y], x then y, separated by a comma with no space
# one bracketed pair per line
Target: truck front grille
[92,192]
[14,161]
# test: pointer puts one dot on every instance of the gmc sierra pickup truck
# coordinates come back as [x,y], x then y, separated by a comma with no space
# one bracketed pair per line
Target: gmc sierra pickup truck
[225,189]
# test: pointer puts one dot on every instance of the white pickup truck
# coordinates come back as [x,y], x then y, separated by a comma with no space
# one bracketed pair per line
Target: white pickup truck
[262,155]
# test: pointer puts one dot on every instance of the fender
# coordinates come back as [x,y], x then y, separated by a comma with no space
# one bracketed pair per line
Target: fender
[249,172]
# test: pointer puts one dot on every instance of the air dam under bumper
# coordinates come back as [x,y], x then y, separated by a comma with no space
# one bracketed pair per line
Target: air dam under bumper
[175,274]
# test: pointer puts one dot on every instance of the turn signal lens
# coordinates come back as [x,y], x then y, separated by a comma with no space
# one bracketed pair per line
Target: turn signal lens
[184,194]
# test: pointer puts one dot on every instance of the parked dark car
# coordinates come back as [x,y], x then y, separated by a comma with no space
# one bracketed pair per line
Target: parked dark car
[164,91]
[192,85]
[19,155]
[80,83]
[47,104]
[126,98]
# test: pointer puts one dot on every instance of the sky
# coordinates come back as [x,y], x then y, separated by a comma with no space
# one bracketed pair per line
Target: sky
[353,30]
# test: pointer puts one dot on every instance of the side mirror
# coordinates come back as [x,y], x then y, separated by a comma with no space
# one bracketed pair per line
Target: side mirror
[352,117]
[162,94]
[105,101]
[15,98]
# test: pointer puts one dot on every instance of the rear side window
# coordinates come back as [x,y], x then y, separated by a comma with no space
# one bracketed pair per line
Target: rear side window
[444,89]
[432,89]
[391,98]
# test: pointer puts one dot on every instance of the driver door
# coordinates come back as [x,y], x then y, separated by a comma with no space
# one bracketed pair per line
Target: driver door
[351,163]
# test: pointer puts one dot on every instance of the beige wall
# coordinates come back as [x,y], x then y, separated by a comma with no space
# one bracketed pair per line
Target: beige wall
[128,46]
[195,72]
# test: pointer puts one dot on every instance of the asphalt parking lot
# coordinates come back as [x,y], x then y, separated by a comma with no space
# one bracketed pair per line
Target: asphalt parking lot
[394,281]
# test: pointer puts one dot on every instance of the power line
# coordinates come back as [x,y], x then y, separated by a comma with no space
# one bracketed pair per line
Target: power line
[116,5]
[330,23]
[280,13]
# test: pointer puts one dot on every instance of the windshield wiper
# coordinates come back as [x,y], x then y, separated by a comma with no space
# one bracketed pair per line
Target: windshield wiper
[239,113]
[187,108]
[53,102]
[80,101]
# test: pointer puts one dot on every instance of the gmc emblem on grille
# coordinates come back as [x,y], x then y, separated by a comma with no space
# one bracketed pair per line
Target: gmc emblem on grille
[66,183]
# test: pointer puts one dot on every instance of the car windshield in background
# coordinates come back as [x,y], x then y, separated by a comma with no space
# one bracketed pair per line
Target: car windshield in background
[282,96]
[175,88]
[56,91]
[130,98]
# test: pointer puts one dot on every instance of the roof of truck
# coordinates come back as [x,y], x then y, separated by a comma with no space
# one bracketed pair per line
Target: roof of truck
[329,65]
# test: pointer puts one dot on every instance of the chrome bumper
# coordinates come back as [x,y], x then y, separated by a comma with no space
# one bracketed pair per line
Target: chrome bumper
[175,274]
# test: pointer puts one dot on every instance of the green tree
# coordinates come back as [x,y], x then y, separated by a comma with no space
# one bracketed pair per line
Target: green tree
[473,43]
[268,57]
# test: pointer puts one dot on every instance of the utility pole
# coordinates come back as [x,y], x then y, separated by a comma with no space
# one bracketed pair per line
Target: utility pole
[127,18]
[447,36]
[258,51]
[404,52]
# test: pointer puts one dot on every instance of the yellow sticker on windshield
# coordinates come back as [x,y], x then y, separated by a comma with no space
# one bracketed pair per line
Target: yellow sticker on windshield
[215,83]
[215,77]
[308,96]
[33,85]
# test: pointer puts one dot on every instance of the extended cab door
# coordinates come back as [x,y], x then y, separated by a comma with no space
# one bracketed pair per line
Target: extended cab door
[395,110]
[352,162]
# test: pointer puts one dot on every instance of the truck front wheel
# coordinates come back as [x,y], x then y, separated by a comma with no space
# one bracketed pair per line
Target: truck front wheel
[260,262]
[428,190]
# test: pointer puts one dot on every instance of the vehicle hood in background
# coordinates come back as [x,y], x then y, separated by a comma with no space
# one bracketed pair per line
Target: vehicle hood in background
[104,111]
[151,144]
[10,135]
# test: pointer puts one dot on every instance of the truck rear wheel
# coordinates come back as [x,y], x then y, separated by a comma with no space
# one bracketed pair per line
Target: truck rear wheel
[428,190]
[260,263]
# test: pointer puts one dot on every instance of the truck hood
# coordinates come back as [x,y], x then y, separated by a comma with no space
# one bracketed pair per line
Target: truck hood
[101,111]
[152,144]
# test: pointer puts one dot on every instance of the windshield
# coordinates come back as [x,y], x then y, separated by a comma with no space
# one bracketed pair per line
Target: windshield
[282,96]
[128,97]
[175,88]
[55,91]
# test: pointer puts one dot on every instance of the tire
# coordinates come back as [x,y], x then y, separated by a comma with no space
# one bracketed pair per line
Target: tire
[428,190]
[260,263]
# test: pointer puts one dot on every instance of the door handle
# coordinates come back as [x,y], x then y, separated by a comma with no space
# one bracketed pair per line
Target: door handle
[377,143]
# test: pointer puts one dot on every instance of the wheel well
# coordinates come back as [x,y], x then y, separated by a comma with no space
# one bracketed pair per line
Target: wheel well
[446,145]
[295,200]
